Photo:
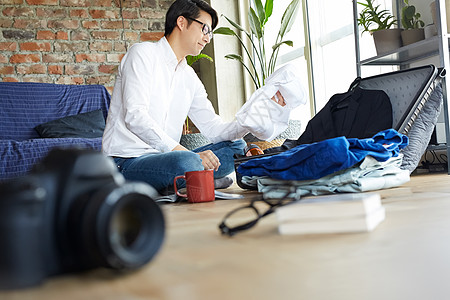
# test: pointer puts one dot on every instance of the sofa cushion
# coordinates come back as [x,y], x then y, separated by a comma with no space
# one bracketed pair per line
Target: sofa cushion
[84,125]
[24,105]
[18,157]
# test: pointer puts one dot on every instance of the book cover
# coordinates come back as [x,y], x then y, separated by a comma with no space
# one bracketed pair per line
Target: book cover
[330,206]
[361,223]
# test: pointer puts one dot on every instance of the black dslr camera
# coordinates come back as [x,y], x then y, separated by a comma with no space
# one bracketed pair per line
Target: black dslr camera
[75,212]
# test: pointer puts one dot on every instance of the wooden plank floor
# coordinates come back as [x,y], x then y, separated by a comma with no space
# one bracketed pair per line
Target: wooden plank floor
[405,257]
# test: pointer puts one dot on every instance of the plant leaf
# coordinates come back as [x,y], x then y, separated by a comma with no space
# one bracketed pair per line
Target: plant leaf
[237,26]
[289,17]
[372,15]
[255,25]
[224,31]
[234,56]
[261,12]
[289,43]
[268,8]
[363,4]
[409,12]
[192,59]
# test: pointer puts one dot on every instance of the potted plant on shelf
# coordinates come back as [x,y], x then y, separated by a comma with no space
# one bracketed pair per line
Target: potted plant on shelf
[379,23]
[412,24]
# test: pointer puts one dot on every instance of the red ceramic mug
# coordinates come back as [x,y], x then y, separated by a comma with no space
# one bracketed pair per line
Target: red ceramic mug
[199,186]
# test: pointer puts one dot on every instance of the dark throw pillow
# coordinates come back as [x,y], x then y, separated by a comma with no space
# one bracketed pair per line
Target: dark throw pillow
[85,125]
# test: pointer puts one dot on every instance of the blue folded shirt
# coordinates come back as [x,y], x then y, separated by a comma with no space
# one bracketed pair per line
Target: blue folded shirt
[313,161]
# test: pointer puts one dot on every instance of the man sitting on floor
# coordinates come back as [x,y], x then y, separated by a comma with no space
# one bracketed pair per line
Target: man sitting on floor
[155,91]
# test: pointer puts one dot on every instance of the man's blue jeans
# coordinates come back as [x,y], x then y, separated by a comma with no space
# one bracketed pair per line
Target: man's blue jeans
[159,169]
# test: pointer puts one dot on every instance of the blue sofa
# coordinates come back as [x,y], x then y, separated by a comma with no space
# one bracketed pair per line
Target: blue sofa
[23,106]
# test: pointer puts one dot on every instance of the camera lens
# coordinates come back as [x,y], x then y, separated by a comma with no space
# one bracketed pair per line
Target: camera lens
[132,232]
[126,226]
[120,227]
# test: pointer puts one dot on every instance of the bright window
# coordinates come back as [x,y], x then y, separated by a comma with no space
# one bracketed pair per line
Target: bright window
[333,48]
[333,59]
[287,54]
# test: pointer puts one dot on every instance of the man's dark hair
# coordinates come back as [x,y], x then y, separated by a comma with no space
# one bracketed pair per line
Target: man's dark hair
[188,9]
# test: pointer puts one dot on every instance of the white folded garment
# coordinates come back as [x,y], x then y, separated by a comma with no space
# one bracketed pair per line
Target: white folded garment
[262,116]
[368,175]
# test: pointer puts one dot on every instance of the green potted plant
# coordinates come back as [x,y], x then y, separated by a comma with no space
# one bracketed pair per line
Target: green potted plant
[412,24]
[261,65]
[379,22]
[262,61]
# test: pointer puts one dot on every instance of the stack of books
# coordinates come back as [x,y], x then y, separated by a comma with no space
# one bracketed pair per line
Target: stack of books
[337,213]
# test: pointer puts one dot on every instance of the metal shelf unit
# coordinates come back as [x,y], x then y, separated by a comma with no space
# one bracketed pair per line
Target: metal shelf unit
[404,56]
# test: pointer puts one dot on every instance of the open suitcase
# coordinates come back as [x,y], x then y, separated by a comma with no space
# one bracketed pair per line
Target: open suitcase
[409,92]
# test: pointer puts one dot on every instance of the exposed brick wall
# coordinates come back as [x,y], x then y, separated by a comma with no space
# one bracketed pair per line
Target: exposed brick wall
[73,41]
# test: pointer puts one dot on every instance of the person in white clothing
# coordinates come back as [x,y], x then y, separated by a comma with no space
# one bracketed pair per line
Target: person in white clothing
[154,92]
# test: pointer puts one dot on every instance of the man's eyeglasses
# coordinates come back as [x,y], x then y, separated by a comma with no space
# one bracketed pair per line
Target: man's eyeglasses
[245,217]
[205,28]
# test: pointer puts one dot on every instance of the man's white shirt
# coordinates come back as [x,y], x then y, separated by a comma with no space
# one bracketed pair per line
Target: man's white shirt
[152,96]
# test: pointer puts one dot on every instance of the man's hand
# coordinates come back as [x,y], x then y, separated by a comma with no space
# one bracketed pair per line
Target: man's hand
[209,160]
[278,98]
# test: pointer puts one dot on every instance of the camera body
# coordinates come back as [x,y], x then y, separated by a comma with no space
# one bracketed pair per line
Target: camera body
[74,211]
